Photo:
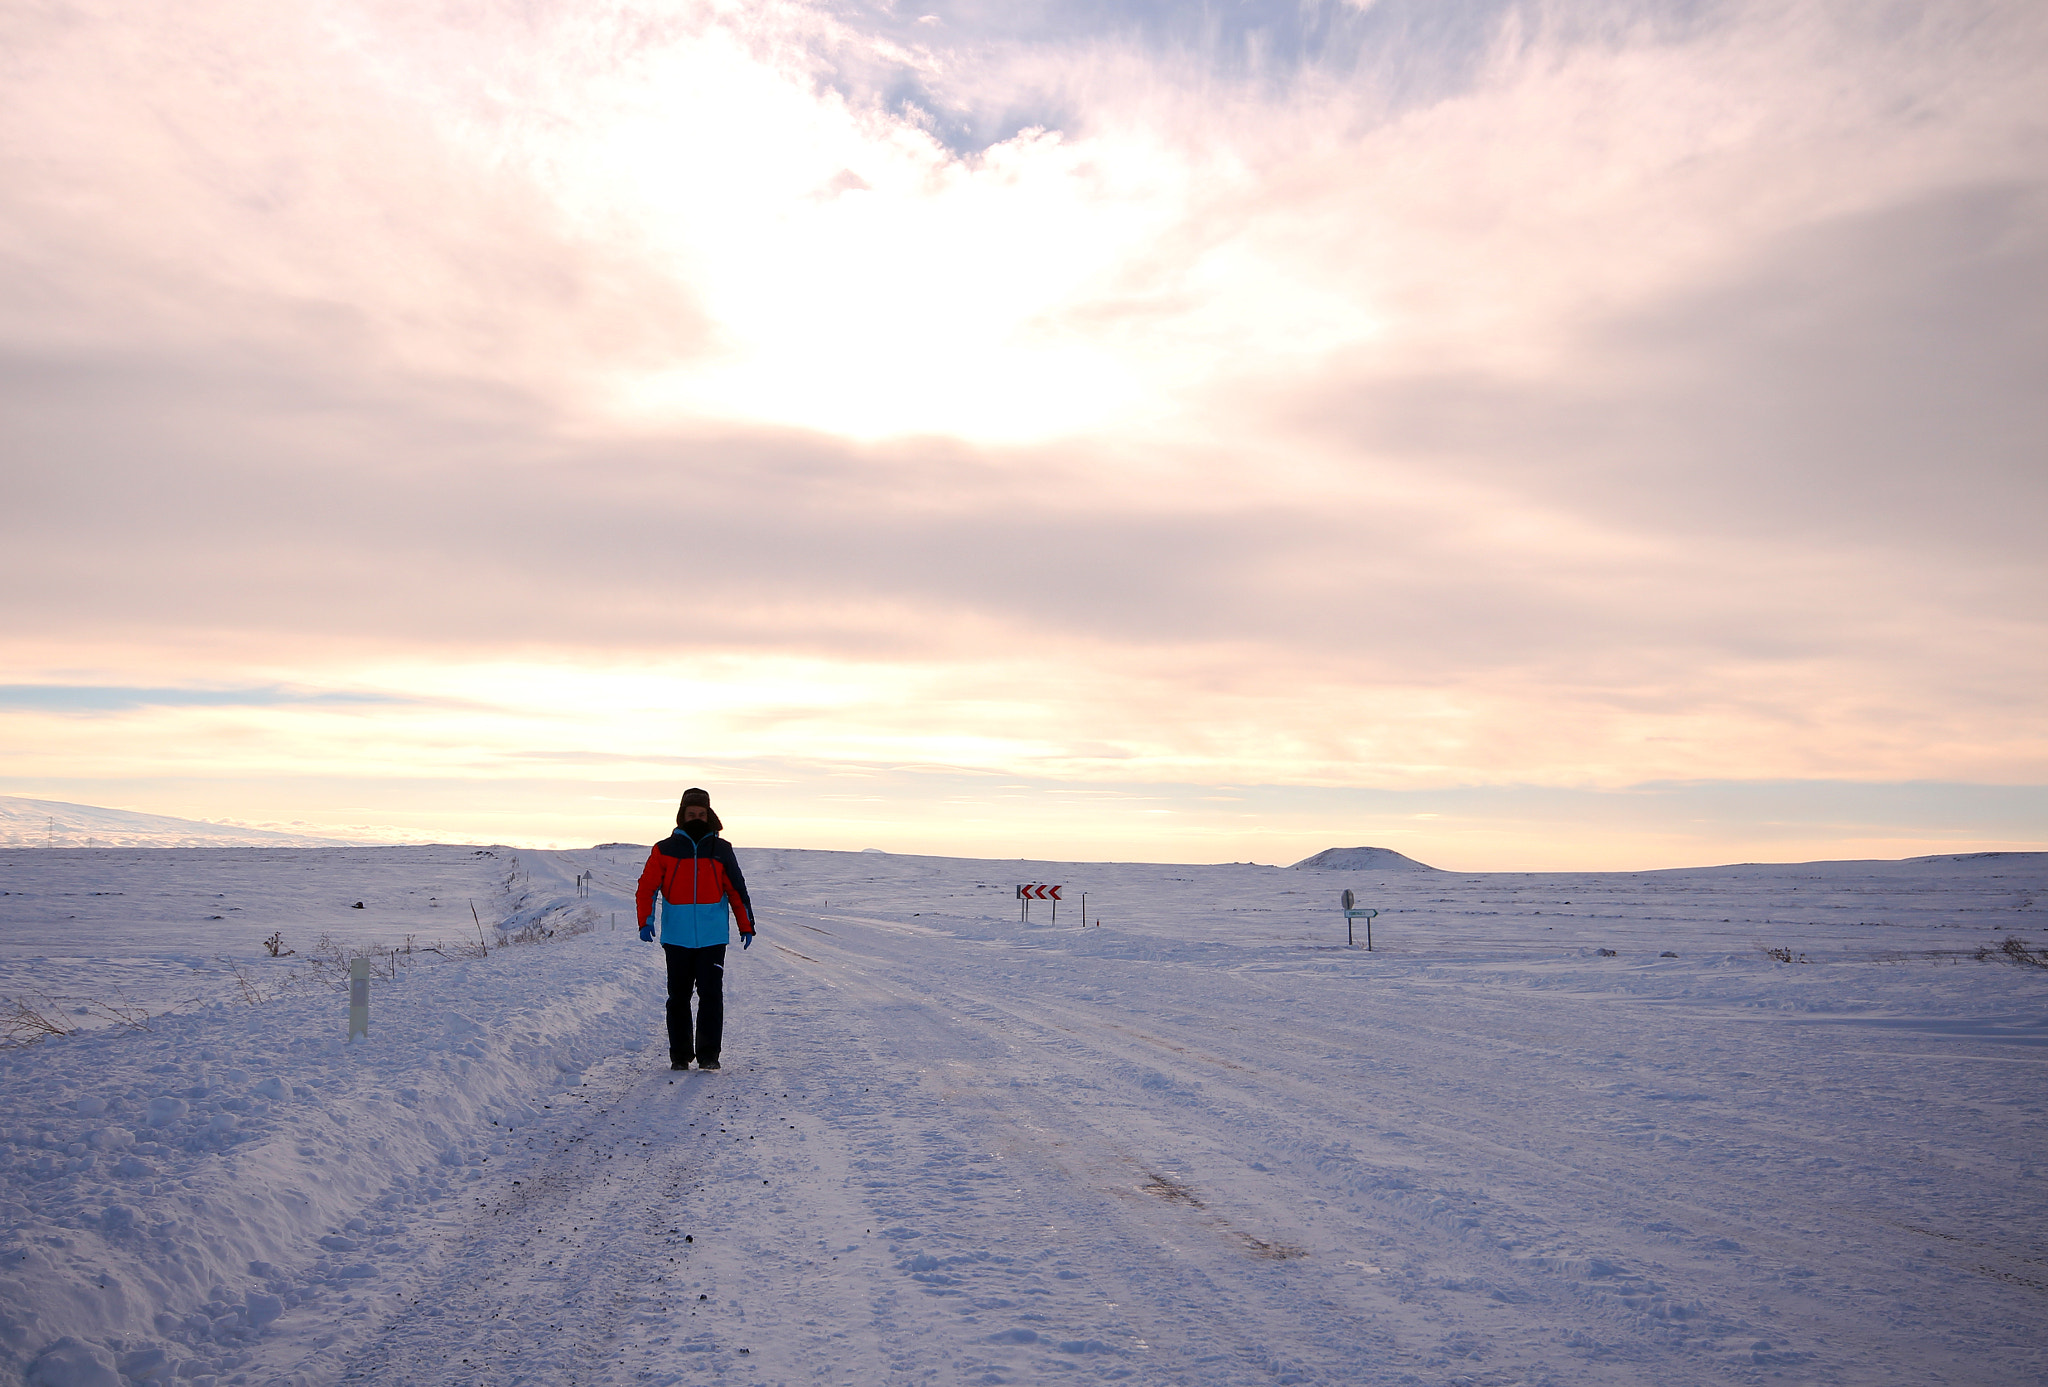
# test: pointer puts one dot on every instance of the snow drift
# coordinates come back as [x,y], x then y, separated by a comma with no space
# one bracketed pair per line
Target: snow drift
[184,1185]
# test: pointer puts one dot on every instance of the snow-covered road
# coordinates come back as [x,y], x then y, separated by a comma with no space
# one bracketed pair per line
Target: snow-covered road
[1014,1154]
[1208,1144]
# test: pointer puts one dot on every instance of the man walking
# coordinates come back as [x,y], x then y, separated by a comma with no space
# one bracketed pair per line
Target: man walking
[699,880]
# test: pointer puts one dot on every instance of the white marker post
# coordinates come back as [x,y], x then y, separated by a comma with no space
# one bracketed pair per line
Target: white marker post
[358,999]
[1352,911]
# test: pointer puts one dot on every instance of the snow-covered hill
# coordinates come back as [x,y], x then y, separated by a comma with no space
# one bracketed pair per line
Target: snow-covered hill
[1563,1128]
[39,823]
[1362,860]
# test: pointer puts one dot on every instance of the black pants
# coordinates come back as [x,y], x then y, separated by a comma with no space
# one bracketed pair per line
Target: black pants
[703,969]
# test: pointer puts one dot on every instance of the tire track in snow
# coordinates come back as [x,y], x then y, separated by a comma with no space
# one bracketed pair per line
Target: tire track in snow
[1255,1107]
[1104,1156]
[591,1267]
[976,1150]
[1198,1298]
[1481,1127]
[988,1256]
[1610,1307]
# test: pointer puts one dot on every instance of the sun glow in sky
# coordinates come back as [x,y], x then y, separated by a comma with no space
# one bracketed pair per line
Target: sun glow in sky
[1525,438]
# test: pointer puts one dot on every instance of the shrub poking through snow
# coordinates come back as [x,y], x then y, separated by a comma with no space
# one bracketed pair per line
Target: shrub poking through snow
[26,1020]
[1786,956]
[248,986]
[2014,949]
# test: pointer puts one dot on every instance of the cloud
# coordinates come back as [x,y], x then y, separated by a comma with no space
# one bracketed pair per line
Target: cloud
[62,698]
[255,190]
[1874,379]
[1401,395]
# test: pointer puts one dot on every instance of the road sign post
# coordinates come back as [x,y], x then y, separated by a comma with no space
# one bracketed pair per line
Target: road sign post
[1353,912]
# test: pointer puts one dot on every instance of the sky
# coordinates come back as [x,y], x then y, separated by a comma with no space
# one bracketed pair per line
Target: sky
[1530,437]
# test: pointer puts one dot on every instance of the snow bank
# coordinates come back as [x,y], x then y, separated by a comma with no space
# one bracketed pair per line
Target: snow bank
[166,1195]
[159,927]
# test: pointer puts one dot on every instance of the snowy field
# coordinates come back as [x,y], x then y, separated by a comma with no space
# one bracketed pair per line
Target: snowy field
[1204,1143]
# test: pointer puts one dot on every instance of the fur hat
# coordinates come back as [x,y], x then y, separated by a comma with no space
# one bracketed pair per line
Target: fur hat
[702,799]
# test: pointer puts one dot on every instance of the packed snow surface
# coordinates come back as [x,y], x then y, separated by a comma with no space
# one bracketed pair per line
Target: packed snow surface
[1203,1143]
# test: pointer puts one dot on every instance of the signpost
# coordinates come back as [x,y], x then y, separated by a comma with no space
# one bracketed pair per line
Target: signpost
[1353,911]
[358,999]
[1038,891]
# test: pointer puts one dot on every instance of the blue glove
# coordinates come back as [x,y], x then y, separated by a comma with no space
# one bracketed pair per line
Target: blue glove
[746,942]
[647,933]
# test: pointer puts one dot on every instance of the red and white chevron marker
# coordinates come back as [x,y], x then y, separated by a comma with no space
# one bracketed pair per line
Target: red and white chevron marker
[1037,891]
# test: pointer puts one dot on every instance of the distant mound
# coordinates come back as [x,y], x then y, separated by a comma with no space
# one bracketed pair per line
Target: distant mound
[2016,859]
[40,823]
[1991,862]
[1363,860]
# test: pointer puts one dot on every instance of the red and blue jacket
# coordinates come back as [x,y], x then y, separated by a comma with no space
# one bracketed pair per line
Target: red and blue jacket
[699,879]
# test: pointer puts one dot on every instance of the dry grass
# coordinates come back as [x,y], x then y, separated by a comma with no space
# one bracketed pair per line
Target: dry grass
[2013,949]
[26,1020]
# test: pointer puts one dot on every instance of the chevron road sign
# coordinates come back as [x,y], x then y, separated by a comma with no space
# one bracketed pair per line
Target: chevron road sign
[1037,891]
